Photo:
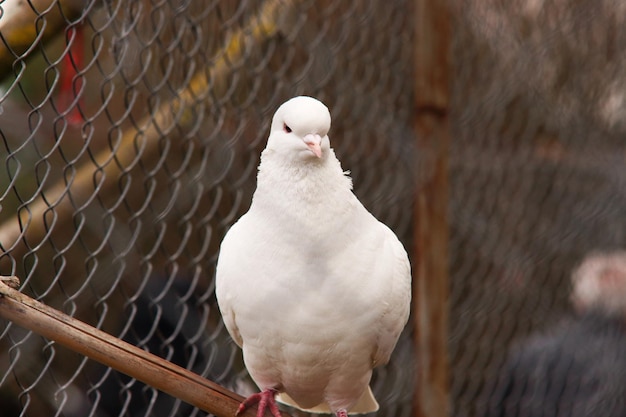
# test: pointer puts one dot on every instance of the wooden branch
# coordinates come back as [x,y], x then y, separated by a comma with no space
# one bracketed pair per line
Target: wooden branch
[28,229]
[117,354]
[432,69]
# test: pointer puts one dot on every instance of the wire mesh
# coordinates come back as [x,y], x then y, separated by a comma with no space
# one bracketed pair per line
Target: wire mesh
[132,134]
[537,173]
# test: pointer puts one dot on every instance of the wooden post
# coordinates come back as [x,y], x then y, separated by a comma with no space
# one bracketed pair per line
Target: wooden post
[430,293]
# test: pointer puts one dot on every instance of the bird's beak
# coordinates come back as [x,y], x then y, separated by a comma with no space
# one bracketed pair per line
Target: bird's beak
[314,143]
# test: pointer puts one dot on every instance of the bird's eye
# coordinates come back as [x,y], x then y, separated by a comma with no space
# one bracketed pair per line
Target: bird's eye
[286,128]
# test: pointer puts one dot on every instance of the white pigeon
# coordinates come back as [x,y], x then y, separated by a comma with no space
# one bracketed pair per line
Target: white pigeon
[311,286]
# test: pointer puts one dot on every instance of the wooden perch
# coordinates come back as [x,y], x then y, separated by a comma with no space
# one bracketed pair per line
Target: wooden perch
[27,229]
[117,354]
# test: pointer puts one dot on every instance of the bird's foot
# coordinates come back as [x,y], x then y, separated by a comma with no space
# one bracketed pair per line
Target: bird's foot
[265,399]
[342,413]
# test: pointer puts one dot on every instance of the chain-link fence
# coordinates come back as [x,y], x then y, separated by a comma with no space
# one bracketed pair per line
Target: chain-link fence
[538,171]
[132,130]
[131,140]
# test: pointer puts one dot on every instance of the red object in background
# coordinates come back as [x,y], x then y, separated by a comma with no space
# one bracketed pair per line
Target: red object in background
[70,84]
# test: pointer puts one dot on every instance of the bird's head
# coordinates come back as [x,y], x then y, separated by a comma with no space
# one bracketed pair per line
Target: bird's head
[300,129]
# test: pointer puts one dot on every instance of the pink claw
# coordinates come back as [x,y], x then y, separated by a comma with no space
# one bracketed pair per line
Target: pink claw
[265,399]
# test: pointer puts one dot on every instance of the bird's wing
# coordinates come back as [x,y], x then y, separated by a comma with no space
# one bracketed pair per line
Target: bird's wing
[223,285]
[397,302]
[228,315]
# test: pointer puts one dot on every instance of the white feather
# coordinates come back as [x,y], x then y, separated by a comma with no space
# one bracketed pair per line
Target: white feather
[313,288]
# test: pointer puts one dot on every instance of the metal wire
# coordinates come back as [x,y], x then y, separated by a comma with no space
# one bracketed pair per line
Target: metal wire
[131,139]
[131,143]
[537,170]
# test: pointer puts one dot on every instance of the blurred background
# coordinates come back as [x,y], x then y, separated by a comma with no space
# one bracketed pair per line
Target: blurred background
[131,132]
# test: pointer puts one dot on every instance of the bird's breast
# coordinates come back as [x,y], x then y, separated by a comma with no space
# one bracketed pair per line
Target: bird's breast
[299,288]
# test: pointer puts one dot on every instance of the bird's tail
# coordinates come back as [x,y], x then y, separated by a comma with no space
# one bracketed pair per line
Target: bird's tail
[366,404]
